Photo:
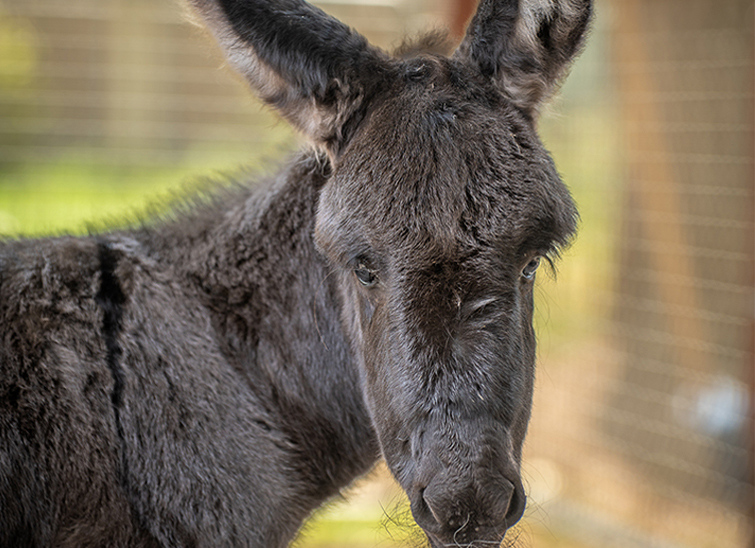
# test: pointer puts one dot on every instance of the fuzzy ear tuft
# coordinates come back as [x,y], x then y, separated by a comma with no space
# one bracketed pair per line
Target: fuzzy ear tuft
[526,46]
[437,42]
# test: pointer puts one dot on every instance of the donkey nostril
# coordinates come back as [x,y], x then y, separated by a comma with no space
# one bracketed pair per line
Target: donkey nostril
[516,506]
[505,502]
[422,513]
[432,505]
[499,498]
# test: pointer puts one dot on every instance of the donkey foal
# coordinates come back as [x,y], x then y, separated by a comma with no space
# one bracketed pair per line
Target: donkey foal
[210,380]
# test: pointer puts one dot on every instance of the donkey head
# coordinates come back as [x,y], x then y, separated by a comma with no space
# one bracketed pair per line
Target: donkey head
[441,204]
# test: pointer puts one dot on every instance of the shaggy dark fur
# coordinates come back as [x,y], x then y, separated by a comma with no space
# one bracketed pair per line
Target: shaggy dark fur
[211,380]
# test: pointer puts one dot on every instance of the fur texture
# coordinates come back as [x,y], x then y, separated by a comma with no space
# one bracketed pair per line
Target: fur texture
[210,380]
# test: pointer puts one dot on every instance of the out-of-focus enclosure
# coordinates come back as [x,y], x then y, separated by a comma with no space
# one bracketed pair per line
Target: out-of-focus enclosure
[642,429]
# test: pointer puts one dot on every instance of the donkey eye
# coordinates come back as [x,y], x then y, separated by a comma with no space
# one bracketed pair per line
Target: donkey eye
[366,277]
[528,272]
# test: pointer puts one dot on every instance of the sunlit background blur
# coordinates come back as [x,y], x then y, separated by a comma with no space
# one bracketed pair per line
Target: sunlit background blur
[642,429]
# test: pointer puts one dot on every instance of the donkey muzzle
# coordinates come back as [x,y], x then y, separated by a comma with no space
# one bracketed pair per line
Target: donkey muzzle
[454,509]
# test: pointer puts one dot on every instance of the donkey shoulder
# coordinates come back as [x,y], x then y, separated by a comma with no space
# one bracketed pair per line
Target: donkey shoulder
[101,343]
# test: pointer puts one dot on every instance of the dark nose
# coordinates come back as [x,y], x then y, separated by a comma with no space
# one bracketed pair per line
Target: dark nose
[464,512]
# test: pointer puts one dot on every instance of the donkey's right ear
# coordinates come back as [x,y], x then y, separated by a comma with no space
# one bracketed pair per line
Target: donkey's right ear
[312,68]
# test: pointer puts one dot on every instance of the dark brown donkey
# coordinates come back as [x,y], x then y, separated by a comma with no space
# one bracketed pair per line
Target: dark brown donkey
[210,380]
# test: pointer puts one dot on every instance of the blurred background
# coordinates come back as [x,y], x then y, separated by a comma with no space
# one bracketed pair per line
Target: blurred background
[642,433]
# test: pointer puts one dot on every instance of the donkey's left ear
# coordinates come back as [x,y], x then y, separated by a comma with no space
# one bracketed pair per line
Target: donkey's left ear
[526,46]
[313,69]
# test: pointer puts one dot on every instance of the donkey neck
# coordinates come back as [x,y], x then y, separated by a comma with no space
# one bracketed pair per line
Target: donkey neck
[251,260]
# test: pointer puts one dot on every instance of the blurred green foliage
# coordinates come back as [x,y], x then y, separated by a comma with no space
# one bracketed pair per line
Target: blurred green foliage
[45,199]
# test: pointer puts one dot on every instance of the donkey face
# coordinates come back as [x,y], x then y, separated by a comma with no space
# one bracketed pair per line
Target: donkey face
[441,203]
[436,218]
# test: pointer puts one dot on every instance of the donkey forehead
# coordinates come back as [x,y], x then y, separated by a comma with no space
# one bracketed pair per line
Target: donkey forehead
[445,160]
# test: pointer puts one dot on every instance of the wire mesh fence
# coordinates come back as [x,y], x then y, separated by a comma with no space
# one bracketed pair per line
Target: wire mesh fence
[642,428]
[644,409]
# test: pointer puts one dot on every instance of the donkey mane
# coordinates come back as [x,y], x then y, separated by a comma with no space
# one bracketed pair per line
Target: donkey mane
[435,42]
